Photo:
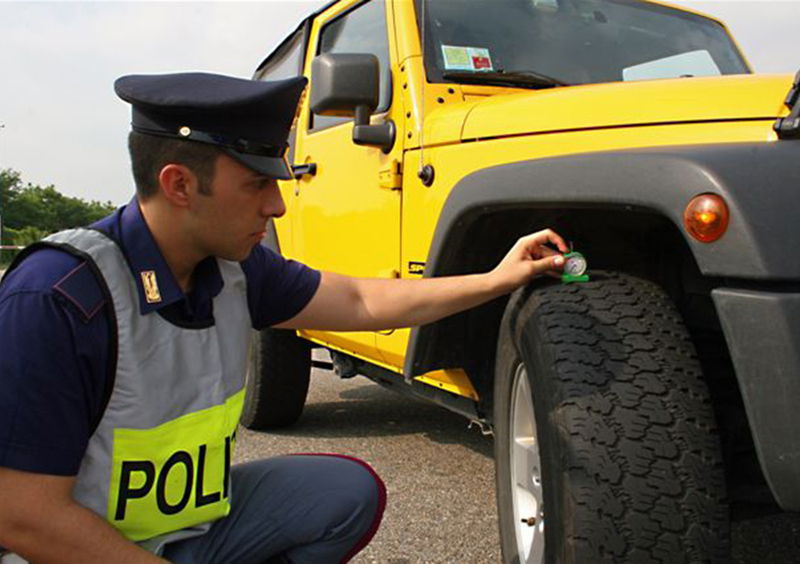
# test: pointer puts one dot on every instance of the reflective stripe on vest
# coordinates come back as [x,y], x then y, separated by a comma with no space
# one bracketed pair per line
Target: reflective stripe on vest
[158,465]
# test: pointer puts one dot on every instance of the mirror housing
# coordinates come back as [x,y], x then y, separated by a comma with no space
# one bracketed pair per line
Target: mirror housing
[343,82]
[348,85]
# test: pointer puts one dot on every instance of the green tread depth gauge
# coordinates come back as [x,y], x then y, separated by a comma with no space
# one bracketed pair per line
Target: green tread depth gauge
[574,268]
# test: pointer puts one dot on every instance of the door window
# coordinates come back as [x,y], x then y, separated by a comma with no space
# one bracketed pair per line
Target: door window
[287,60]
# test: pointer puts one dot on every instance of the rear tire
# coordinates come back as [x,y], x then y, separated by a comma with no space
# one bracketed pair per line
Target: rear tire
[604,430]
[277,379]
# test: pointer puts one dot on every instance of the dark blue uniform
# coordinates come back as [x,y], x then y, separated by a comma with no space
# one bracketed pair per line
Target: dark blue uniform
[55,335]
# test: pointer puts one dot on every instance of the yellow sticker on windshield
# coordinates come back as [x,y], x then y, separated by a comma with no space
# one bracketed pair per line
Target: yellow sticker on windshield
[466,58]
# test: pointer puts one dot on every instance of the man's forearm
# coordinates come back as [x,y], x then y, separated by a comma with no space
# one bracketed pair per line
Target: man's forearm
[71,533]
[370,304]
[342,303]
[417,302]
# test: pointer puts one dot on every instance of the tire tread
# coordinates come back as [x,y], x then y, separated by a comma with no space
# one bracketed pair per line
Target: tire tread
[644,480]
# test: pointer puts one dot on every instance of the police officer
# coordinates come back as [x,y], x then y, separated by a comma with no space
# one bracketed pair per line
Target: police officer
[124,348]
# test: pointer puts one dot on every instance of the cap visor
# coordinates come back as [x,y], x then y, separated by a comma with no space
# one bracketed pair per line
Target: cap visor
[274,167]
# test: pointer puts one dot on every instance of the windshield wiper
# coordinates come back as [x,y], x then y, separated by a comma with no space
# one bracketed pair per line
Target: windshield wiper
[500,77]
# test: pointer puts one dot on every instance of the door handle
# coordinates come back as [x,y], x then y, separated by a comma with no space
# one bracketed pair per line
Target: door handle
[304,169]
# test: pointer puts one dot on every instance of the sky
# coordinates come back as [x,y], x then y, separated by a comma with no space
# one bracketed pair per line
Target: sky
[61,123]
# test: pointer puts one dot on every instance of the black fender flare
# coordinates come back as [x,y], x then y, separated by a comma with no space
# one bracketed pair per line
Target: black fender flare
[759,182]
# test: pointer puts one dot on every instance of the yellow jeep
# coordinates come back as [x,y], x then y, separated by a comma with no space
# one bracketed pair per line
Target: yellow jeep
[629,412]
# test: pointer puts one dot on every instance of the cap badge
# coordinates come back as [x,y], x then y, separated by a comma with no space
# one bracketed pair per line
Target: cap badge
[151,293]
[185,131]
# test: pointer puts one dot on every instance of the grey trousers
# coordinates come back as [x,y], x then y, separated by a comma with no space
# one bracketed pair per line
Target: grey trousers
[297,509]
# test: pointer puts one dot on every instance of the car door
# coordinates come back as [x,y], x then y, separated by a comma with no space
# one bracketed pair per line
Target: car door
[346,216]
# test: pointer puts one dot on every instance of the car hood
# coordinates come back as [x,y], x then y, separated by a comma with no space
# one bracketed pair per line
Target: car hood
[685,100]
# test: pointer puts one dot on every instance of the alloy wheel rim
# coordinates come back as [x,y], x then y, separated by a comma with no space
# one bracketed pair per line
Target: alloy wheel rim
[526,475]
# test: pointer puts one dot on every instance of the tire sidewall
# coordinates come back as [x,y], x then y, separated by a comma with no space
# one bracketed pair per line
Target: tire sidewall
[513,341]
[277,379]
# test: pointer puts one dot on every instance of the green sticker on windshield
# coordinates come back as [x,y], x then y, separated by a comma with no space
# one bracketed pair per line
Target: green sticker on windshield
[466,58]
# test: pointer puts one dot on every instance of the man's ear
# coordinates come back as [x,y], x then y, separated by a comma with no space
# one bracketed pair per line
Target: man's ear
[177,184]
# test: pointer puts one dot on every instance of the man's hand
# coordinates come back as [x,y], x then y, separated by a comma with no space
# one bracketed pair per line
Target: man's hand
[370,304]
[41,522]
[528,258]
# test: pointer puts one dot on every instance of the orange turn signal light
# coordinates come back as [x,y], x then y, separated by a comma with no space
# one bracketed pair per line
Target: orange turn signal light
[706,218]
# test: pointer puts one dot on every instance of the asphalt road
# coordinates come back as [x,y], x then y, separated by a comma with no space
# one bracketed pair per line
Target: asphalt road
[440,476]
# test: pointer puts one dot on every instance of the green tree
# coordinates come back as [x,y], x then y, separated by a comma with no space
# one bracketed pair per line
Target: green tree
[26,235]
[30,212]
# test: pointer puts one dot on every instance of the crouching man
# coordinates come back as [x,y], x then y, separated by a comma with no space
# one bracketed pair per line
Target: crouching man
[124,348]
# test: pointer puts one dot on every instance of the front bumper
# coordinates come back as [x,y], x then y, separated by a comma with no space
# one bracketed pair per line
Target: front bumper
[762,330]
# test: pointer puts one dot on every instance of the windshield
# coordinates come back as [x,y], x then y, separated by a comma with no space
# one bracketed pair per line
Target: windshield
[558,42]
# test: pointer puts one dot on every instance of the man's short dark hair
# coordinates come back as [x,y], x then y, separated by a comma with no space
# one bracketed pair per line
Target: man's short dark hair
[150,153]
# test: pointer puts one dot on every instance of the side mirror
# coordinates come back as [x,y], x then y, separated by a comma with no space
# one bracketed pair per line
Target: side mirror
[348,85]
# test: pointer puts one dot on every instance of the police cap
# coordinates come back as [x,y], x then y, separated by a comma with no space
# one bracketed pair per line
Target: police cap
[248,119]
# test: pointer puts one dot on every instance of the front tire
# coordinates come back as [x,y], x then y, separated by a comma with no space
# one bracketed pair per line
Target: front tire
[277,379]
[605,443]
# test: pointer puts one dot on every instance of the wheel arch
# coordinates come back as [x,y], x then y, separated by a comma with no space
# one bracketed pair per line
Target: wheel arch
[620,208]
